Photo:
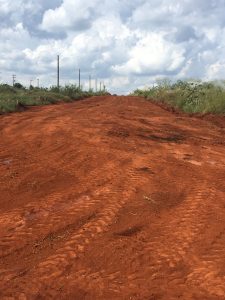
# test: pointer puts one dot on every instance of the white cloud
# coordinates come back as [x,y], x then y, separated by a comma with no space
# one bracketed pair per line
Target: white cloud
[73,15]
[153,55]
[124,43]
[14,39]
[14,10]
[216,71]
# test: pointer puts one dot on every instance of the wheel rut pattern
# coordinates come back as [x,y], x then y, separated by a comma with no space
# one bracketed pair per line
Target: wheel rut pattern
[93,208]
[190,219]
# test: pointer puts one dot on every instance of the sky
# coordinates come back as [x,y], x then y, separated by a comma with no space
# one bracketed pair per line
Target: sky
[125,44]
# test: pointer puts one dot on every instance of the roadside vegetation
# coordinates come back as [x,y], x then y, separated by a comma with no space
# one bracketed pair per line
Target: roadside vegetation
[188,96]
[18,97]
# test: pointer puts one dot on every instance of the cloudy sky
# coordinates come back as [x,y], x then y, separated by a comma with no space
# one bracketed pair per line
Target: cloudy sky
[125,43]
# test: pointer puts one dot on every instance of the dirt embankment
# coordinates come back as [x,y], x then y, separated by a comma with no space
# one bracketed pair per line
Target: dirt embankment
[111,198]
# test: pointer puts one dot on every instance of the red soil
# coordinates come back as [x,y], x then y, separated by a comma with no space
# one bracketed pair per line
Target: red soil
[111,198]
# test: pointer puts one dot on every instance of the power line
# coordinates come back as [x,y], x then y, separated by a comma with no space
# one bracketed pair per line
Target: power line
[94,83]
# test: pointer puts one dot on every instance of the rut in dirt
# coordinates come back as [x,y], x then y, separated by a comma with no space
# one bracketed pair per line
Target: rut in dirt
[111,198]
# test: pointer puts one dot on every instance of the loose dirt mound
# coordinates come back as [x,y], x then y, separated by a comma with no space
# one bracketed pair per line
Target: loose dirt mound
[111,198]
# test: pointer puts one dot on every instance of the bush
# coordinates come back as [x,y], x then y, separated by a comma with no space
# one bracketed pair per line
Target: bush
[18,85]
[5,88]
[11,96]
[189,96]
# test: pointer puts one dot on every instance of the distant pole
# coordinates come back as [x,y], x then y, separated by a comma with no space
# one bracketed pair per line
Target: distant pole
[89,82]
[96,85]
[100,86]
[38,82]
[14,79]
[79,78]
[58,71]
[31,80]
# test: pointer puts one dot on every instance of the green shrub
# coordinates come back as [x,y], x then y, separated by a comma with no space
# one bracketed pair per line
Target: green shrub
[188,96]
[10,96]
[18,85]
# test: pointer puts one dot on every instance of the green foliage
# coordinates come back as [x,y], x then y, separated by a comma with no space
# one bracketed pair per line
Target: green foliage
[5,88]
[18,85]
[12,98]
[189,96]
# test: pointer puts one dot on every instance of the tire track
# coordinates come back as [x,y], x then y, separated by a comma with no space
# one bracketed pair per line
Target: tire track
[55,265]
[164,253]
[208,271]
[21,226]
[179,232]
[53,268]
[169,260]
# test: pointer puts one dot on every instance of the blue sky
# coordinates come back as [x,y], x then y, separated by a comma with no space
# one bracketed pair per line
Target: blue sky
[127,44]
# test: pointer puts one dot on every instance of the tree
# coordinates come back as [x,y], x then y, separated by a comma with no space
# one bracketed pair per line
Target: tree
[18,85]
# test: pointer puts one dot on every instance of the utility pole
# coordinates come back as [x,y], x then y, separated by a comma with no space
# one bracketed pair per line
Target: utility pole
[79,78]
[14,79]
[89,82]
[38,82]
[31,80]
[96,85]
[58,72]
[100,86]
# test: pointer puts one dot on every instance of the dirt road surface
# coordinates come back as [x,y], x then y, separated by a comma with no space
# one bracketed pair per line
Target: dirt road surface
[111,198]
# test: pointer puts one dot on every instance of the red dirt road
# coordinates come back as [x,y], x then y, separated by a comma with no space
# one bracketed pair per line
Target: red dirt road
[111,198]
